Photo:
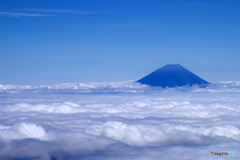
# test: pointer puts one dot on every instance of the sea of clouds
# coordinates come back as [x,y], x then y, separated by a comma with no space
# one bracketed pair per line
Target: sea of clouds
[117,121]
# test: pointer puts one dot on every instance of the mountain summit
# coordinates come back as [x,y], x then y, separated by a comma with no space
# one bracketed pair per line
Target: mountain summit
[172,75]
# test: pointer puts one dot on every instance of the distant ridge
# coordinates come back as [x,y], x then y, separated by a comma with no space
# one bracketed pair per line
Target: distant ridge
[172,75]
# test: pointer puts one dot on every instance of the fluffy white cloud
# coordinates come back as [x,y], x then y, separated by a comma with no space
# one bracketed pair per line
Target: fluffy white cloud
[22,131]
[119,120]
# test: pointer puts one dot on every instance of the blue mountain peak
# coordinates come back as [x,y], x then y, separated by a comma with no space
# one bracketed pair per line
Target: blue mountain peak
[172,75]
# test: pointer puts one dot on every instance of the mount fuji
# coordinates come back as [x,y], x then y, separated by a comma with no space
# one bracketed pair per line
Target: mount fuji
[172,75]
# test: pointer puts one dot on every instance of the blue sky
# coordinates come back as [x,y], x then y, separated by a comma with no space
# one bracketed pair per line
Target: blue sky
[54,41]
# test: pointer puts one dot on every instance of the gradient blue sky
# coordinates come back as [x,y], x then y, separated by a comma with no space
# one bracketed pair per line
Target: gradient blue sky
[54,41]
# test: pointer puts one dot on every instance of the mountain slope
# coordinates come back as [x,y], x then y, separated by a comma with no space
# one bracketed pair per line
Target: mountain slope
[172,75]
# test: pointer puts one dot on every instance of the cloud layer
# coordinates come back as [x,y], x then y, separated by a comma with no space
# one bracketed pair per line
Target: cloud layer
[20,14]
[118,120]
[27,12]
